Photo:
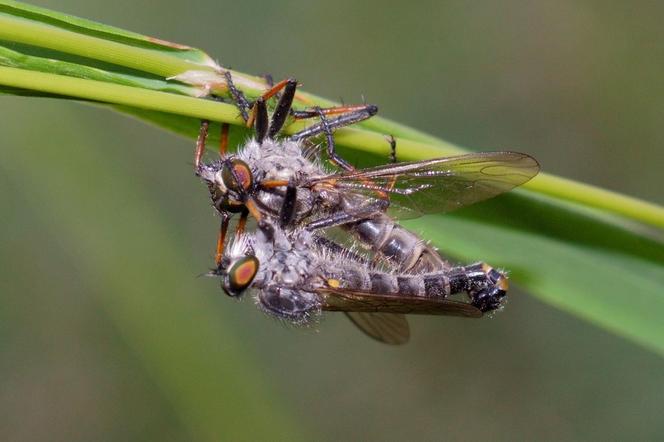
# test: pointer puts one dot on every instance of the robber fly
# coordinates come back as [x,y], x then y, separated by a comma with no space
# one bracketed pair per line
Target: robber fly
[296,278]
[277,178]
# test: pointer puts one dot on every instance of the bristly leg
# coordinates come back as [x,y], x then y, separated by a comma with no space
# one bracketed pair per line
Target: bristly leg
[238,96]
[335,110]
[331,147]
[393,148]
[355,115]
[352,215]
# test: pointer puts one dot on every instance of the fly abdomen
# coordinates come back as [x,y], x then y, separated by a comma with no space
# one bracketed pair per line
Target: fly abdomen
[373,232]
[428,285]
[383,283]
[485,286]
[396,284]
[402,247]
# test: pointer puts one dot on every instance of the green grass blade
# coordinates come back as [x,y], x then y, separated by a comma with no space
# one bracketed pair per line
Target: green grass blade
[83,27]
[15,59]
[39,34]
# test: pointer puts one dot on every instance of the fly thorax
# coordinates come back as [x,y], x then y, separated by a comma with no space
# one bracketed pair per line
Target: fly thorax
[296,306]
[280,159]
[287,269]
[303,241]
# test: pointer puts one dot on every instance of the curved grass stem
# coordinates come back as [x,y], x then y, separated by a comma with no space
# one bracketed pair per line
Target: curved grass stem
[358,139]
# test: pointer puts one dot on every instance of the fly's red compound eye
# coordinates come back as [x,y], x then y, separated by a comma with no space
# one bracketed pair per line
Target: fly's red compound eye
[240,176]
[240,275]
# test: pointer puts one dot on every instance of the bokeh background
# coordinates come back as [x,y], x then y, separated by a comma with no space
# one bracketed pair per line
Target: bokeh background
[107,333]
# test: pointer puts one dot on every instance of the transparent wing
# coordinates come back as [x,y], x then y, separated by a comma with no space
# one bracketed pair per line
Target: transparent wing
[390,328]
[438,185]
[344,300]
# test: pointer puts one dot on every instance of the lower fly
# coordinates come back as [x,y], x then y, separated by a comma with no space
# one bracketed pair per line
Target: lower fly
[296,277]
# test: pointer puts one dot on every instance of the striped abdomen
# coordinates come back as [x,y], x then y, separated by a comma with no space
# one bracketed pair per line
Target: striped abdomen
[432,284]
[404,249]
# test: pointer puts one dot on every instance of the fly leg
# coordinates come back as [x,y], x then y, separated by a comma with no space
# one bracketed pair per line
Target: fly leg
[331,149]
[221,239]
[200,145]
[393,148]
[201,141]
[238,96]
[325,127]
[287,212]
[223,139]
[283,106]
[281,112]
[350,215]
[256,113]
[349,115]
[259,119]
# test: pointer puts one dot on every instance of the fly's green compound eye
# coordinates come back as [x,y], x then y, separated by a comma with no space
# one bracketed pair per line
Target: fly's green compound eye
[241,273]
[243,173]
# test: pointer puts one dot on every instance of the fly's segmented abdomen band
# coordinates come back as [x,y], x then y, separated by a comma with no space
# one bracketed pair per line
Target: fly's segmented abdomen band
[402,247]
[437,285]
[470,279]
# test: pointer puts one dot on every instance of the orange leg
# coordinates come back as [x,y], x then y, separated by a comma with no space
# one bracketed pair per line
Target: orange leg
[274,90]
[266,96]
[242,223]
[200,143]
[270,184]
[251,208]
[223,139]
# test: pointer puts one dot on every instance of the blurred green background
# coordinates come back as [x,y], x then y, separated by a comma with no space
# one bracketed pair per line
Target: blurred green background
[107,333]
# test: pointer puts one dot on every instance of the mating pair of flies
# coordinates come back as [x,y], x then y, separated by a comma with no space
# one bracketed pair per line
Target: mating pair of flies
[295,264]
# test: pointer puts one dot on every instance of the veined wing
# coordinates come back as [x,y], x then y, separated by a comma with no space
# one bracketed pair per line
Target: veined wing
[345,300]
[390,328]
[441,184]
